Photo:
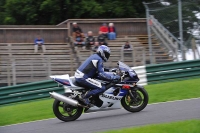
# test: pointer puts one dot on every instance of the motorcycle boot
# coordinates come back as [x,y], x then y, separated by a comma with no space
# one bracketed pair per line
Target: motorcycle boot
[85,98]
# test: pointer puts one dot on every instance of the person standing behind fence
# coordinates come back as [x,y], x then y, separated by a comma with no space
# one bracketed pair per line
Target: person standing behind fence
[39,44]
[111,32]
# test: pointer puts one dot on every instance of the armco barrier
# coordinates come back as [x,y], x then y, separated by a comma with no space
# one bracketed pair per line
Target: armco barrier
[172,66]
[168,71]
[29,91]
[147,74]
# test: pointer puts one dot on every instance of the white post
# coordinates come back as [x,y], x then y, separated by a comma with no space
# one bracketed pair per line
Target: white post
[14,71]
[149,33]
[181,28]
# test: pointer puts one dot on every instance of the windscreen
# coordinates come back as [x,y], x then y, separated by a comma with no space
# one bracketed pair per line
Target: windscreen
[124,66]
[132,73]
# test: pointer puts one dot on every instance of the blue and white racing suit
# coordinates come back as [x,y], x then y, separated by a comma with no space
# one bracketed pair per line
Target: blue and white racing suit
[88,70]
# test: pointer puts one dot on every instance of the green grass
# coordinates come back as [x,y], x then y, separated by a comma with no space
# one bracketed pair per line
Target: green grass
[173,90]
[188,126]
[24,112]
[42,109]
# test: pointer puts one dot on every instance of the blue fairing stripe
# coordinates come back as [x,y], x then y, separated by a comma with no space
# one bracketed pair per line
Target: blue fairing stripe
[123,92]
[63,81]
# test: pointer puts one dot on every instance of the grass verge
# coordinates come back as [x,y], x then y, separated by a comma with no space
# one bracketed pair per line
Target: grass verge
[188,126]
[42,109]
[173,90]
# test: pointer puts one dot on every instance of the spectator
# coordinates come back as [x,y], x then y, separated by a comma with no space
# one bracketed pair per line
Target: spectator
[127,46]
[90,40]
[101,39]
[75,29]
[79,40]
[104,30]
[95,47]
[39,44]
[111,32]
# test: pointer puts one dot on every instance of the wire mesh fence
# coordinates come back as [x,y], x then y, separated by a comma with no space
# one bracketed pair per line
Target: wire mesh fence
[167,13]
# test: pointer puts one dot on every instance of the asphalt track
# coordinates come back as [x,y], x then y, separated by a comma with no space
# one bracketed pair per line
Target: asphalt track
[101,121]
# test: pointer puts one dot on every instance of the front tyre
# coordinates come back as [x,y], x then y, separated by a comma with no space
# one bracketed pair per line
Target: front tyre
[66,112]
[138,103]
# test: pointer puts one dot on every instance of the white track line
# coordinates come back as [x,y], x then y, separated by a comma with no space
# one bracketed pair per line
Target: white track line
[102,111]
[175,101]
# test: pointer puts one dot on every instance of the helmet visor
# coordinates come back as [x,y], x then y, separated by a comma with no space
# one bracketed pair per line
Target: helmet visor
[107,55]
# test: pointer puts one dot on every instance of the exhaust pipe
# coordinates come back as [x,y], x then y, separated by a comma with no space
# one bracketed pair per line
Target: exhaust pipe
[65,99]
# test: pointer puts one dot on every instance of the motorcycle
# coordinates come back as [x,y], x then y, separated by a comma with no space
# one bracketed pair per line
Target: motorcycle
[126,93]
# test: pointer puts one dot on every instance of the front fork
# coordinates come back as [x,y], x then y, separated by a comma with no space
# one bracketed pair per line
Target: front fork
[131,95]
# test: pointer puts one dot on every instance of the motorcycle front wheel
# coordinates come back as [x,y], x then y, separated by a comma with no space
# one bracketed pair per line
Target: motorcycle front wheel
[66,112]
[138,102]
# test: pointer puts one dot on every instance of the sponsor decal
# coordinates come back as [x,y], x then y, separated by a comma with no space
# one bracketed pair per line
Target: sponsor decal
[66,82]
[94,82]
[110,97]
[63,81]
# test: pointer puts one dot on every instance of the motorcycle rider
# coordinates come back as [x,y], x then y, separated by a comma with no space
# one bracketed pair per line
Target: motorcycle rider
[87,71]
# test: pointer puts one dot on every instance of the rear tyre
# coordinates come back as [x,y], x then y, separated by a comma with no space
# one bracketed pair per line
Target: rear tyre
[66,112]
[139,102]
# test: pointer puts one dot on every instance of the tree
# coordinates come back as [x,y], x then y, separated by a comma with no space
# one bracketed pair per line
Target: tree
[53,12]
[21,12]
[2,13]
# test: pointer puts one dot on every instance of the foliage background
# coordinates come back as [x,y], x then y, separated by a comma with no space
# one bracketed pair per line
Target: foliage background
[43,12]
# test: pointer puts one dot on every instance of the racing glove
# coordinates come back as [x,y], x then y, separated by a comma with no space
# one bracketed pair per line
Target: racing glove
[113,70]
[116,78]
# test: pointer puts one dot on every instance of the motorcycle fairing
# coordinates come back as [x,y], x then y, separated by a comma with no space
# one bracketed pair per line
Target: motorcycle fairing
[62,79]
[108,98]
[68,82]
[123,92]
[134,78]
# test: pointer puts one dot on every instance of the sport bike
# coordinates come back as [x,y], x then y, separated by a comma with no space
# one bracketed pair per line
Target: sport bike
[125,93]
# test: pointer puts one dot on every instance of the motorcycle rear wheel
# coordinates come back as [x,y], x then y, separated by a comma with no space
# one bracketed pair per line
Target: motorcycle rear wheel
[141,100]
[66,112]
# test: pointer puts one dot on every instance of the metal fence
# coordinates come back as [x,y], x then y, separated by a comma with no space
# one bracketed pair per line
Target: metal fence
[16,71]
[179,17]
[149,74]
[24,70]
